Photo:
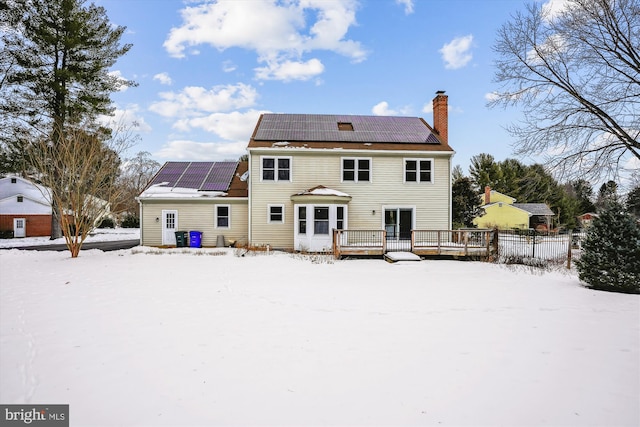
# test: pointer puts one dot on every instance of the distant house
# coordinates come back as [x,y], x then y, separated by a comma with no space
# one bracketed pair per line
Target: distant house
[25,207]
[501,211]
[586,219]
[309,174]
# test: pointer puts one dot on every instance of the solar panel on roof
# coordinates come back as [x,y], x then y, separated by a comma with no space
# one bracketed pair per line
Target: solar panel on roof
[170,173]
[194,174]
[318,127]
[206,176]
[219,178]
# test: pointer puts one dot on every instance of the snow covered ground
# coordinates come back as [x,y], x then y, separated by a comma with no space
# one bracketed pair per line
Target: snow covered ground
[98,235]
[202,337]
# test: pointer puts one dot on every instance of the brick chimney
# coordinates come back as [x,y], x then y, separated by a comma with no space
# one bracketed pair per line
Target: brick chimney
[487,195]
[441,116]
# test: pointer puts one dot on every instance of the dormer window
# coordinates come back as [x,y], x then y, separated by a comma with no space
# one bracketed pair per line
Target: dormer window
[14,180]
[20,199]
[345,126]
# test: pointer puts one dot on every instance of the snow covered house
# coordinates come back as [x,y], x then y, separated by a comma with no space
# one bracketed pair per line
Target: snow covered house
[210,197]
[308,174]
[502,211]
[25,207]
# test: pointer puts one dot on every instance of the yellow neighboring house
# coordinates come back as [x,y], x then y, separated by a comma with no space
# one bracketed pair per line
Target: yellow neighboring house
[501,211]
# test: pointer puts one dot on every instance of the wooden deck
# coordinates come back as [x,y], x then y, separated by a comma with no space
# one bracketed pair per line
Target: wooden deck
[445,243]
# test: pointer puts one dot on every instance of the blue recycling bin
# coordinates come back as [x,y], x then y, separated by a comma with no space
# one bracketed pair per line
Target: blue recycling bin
[195,239]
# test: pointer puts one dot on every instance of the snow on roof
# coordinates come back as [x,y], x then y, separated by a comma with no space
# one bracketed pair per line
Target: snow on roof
[161,191]
[321,190]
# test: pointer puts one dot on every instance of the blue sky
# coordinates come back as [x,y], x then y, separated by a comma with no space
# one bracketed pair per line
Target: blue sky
[206,70]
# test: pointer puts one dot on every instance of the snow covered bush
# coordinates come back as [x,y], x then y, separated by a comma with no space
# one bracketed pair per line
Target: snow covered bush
[610,257]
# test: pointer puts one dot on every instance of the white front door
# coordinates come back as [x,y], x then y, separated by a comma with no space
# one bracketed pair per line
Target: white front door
[169,227]
[19,227]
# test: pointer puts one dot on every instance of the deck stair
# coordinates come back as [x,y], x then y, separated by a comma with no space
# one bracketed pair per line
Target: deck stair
[401,256]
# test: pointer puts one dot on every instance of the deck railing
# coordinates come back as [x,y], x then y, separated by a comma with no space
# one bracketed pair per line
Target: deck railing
[422,242]
[359,242]
[451,242]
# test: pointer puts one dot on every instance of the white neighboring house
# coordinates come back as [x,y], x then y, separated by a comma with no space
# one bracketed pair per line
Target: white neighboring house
[25,207]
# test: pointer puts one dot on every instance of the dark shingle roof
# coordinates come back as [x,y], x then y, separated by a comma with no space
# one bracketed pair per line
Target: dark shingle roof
[324,127]
[535,208]
[205,176]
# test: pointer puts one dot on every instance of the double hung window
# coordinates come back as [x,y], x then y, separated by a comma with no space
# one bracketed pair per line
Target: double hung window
[222,219]
[276,168]
[356,170]
[276,214]
[418,170]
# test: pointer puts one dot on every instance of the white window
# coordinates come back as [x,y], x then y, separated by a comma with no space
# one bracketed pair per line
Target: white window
[222,216]
[356,169]
[321,220]
[302,219]
[275,214]
[276,168]
[418,170]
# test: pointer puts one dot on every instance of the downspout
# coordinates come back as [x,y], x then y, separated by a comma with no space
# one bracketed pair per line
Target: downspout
[250,203]
[141,224]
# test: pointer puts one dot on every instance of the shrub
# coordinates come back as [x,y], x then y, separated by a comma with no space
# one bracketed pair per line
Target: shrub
[131,221]
[610,257]
[106,223]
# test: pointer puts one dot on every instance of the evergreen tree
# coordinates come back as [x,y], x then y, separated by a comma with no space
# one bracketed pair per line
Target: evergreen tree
[610,257]
[583,192]
[633,202]
[484,170]
[57,55]
[608,193]
[465,203]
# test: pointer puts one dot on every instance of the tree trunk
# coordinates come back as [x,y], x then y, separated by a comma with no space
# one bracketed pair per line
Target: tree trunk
[56,229]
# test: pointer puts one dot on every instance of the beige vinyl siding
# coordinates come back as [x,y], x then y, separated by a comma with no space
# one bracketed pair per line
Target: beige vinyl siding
[386,188]
[195,215]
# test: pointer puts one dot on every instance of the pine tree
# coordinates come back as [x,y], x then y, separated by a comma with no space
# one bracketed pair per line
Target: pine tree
[55,70]
[610,258]
[465,203]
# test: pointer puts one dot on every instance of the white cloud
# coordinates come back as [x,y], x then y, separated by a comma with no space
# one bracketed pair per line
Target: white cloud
[163,78]
[382,109]
[552,8]
[228,66]
[290,70]
[126,118]
[201,151]
[457,53]
[491,96]
[196,100]
[408,6]
[122,86]
[229,126]
[277,31]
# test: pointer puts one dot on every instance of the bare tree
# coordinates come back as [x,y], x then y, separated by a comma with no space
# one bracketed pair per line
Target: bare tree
[576,75]
[82,171]
[136,174]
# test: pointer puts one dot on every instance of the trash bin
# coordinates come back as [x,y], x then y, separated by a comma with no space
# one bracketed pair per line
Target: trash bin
[181,239]
[220,241]
[195,239]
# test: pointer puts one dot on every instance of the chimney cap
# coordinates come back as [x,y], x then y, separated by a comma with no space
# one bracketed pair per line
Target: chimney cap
[439,92]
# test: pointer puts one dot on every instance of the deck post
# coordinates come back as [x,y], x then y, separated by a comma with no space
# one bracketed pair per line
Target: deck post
[439,248]
[466,243]
[384,241]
